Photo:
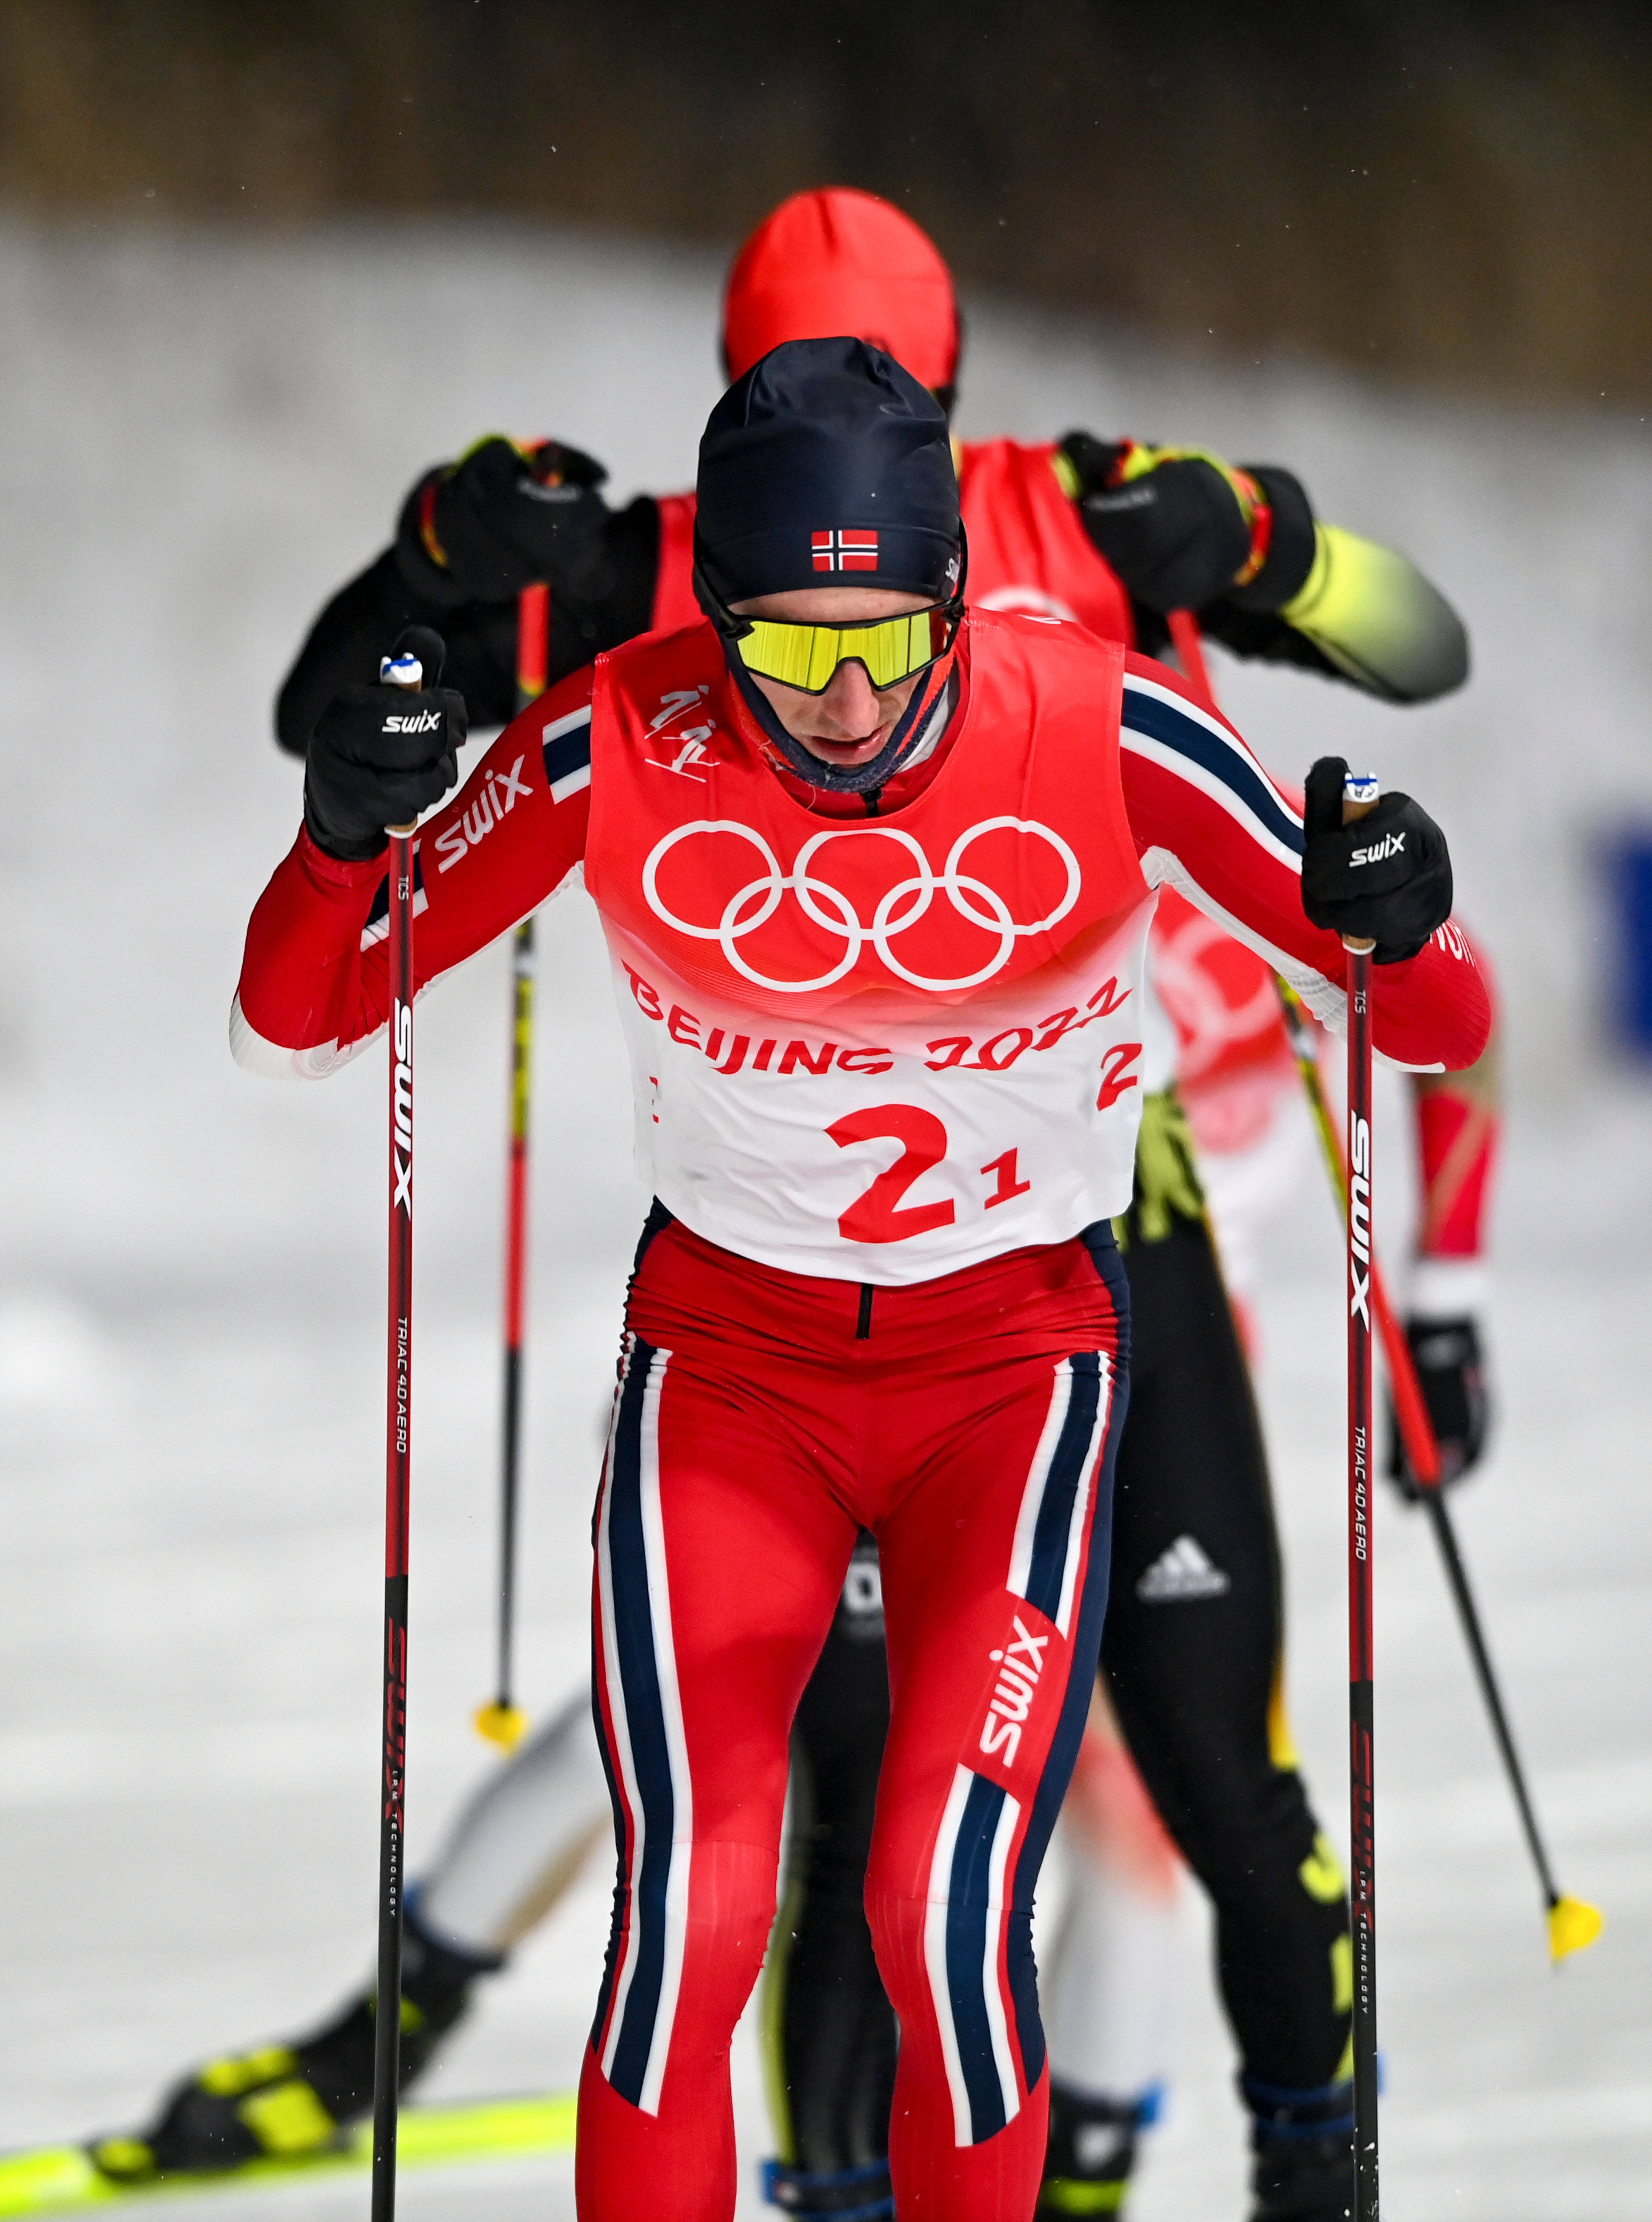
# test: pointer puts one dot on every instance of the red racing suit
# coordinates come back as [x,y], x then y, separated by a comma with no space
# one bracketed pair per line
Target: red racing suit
[885,1088]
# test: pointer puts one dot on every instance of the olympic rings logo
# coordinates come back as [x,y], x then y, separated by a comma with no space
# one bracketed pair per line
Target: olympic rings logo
[900,909]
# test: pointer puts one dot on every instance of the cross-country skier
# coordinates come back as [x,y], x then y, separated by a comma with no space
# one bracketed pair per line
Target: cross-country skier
[846,259]
[888,1121]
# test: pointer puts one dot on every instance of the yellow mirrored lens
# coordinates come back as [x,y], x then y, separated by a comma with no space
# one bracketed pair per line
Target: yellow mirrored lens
[805,657]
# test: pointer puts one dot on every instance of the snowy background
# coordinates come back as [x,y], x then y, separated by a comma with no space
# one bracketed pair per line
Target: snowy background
[202,435]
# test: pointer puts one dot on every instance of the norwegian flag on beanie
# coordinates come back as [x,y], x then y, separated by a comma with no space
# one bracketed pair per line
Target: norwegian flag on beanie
[845,550]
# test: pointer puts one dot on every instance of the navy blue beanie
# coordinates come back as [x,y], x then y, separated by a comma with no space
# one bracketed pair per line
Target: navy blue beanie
[827,465]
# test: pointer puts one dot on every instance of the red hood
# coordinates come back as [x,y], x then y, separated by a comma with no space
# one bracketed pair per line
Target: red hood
[836,262]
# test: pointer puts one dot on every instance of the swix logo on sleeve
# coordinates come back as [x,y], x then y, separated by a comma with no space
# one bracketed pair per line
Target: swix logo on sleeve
[849,549]
[1378,850]
[495,798]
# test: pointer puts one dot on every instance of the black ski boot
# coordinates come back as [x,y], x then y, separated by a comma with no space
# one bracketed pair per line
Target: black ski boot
[1303,2142]
[284,2100]
[1092,2151]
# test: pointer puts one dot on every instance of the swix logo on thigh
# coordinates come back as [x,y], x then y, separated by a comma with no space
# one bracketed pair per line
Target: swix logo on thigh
[1021,1701]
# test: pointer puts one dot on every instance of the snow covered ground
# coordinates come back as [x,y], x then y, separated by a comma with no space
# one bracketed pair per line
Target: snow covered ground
[202,436]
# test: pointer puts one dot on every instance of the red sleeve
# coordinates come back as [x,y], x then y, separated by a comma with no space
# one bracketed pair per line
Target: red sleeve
[1208,820]
[313,986]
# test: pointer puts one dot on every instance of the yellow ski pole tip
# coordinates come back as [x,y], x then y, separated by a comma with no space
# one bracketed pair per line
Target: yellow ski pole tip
[1572,1924]
[504,1725]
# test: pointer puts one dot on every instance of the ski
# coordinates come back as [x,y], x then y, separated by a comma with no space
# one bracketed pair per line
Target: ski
[54,2178]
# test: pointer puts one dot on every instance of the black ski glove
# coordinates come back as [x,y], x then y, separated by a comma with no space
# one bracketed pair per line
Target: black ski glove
[1386,878]
[380,754]
[1452,1377]
[1181,529]
[481,529]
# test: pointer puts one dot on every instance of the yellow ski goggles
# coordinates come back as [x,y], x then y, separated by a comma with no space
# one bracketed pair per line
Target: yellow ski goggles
[807,657]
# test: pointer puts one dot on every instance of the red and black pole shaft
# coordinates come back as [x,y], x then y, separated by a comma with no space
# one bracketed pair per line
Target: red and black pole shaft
[1360,796]
[503,1708]
[501,1720]
[399,671]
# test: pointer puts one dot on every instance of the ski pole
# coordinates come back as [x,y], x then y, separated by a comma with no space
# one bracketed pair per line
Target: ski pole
[501,1720]
[1572,1922]
[1360,796]
[404,670]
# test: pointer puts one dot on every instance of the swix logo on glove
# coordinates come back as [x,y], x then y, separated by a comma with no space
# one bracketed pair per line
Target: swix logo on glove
[1378,850]
[411,721]
[845,550]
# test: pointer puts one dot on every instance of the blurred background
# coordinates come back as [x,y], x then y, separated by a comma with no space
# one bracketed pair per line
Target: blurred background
[259,266]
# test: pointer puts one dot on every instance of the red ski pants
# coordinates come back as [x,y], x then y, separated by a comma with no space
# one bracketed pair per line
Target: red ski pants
[762,1418]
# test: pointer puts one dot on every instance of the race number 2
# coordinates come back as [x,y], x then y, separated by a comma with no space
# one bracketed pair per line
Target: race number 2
[879,1214]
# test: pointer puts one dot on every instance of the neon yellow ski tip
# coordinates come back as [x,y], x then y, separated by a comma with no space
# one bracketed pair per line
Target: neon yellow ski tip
[56,2180]
[1572,1926]
[505,1724]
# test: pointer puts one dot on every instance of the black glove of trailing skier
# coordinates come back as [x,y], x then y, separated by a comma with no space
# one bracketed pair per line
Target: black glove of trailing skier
[1449,1372]
[481,529]
[1181,528]
[1386,878]
[380,754]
